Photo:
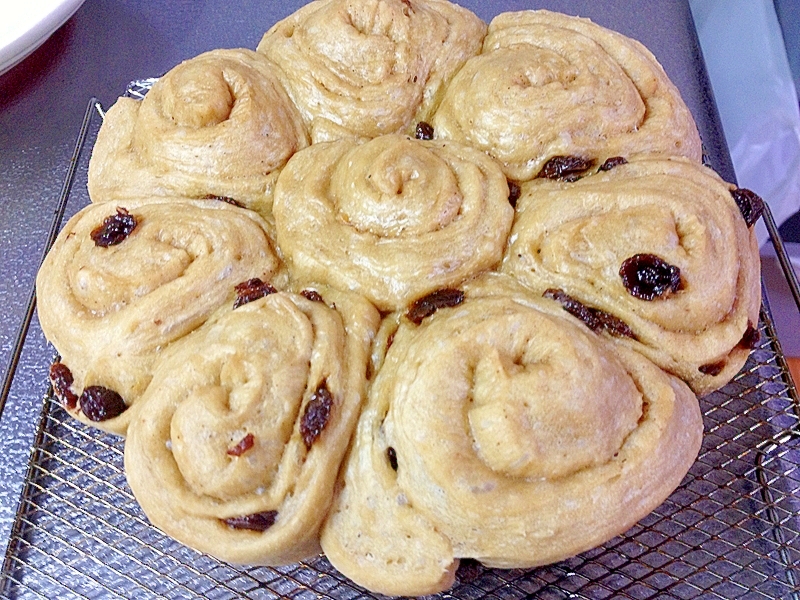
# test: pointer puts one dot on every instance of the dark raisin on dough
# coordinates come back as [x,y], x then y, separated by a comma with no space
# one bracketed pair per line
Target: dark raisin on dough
[316,414]
[312,295]
[61,379]
[99,403]
[565,168]
[594,318]
[750,205]
[226,199]
[712,369]
[427,305]
[250,290]
[514,192]
[612,162]
[647,277]
[392,456]
[243,446]
[750,338]
[114,229]
[424,131]
[260,521]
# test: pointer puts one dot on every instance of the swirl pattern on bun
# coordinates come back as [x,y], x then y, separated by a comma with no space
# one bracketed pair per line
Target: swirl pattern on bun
[238,443]
[370,67]
[658,218]
[217,125]
[122,282]
[548,85]
[393,218]
[505,431]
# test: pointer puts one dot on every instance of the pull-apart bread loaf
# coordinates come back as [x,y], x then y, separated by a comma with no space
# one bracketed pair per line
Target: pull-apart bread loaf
[405,287]
[217,125]
[503,430]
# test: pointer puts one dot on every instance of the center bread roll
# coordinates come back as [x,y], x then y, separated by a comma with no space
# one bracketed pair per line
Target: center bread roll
[503,430]
[393,218]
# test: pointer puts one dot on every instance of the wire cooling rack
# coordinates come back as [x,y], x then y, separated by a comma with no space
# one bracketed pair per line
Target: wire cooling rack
[731,530]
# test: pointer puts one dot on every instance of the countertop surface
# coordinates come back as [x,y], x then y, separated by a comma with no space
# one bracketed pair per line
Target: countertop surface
[108,43]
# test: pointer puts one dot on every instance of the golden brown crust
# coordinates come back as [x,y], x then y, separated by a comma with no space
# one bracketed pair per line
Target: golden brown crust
[548,84]
[519,438]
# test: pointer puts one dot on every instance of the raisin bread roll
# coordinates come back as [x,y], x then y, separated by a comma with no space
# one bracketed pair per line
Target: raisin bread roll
[370,67]
[659,245]
[123,281]
[503,430]
[393,218]
[240,435]
[548,85]
[219,124]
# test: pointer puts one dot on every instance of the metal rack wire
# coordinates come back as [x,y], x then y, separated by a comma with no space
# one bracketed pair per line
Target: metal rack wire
[731,530]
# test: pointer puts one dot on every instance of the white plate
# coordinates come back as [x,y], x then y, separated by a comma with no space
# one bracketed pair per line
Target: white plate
[26,24]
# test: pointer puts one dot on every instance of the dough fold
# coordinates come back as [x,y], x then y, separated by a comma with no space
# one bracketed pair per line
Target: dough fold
[110,311]
[548,85]
[505,431]
[240,435]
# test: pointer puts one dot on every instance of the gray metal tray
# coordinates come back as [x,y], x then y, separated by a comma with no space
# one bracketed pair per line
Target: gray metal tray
[731,530]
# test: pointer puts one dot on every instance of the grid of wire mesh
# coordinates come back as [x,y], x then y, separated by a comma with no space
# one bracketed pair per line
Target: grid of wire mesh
[731,530]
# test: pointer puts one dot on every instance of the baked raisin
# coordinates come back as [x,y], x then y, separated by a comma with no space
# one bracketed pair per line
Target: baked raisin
[312,295]
[424,130]
[514,192]
[226,199]
[712,369]
[427,305]
[750,205]
[565,168]
[316,415]
[260,521]
[612,162]
[114,229]
[750,338]
[392,456]
[647,277]
[243,446]
[61,379]
[594,318]
[250,290]
[99,403]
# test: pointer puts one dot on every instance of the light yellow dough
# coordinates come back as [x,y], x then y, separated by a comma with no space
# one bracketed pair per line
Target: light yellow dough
[520,438]
[219,124]
[111,311]
[252,372]
[393,218]
[370,67]
[576,236]
[548,84]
